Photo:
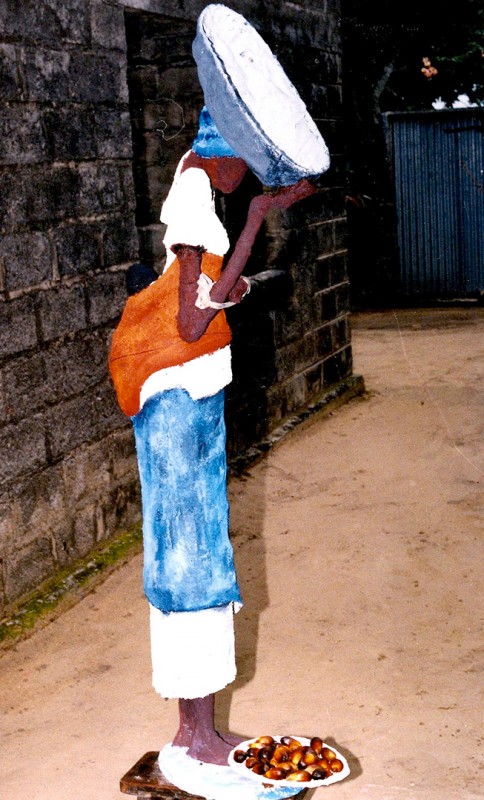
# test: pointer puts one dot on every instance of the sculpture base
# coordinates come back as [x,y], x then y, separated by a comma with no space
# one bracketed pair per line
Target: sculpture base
[145,780]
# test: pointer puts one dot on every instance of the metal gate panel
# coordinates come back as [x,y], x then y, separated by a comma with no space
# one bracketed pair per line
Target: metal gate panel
[438,164]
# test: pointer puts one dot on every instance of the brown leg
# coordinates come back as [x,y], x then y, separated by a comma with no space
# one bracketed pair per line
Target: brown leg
[184,734]
[197,731]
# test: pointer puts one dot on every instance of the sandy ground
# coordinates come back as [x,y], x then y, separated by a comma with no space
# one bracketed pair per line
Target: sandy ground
[358,549]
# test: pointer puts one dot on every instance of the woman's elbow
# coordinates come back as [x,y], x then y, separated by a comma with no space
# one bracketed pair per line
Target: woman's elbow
[189,331]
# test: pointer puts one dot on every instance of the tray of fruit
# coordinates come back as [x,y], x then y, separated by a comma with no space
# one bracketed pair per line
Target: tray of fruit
[289,760]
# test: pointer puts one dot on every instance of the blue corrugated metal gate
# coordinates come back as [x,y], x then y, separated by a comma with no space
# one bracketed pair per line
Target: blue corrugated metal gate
[438,165]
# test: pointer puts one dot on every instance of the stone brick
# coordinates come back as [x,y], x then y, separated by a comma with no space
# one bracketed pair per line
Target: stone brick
[73,367]
[3,405]
[64,543]
[107,296]
[86,474]
[84,532]
[123,453]
[340,333]
[296,357]
[41,503]
[46,74]
[337,367]
[9,199]
[78,247]
[328,303]
[23,448]
[83,420]
[9,524]
[70,133]
[294,395]
[325,342]
[26,568]
[11,88]
[101,188]
[323,272]
[127,186]
[343,298]
[51,22]
[107,26]
[97,77]
[339,269]
[314,381]
[17,326]
[305,27]
[27,259]
[40,195]
[21,135]
[324,205]
[112,131]
[122,507]
[24,390]
[120,240]
[62,311]
[153,39]
[340,234]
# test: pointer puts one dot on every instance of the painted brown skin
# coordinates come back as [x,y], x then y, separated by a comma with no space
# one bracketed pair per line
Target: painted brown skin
[226,175]
[197,726]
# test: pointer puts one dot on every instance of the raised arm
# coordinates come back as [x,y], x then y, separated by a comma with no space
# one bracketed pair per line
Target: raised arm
[192,321]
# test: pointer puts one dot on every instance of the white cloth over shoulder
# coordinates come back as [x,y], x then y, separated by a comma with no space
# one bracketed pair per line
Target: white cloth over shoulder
[189,213]
[214,782]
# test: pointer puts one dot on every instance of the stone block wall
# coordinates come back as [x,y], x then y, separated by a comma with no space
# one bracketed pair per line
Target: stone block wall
[90,95]
[67,232]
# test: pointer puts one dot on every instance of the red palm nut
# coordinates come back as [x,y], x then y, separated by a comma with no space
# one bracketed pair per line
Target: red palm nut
[286,766]
[309,757]
[318,774]
[293,744]
[275,774]
[328,753]
[316,745]
[299,776]
[336,765]
[281,753]
[297,754]
[265,740]
[287,740]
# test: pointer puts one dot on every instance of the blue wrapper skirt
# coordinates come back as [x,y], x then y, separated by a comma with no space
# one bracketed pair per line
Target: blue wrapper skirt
[188,557]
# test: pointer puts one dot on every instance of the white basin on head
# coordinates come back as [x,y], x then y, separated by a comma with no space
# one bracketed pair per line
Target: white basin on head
[252,101]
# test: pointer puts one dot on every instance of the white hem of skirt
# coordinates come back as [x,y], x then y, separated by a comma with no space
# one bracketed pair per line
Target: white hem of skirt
[200,644]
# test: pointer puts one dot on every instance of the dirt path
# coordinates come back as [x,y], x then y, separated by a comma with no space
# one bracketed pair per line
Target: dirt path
[358,549]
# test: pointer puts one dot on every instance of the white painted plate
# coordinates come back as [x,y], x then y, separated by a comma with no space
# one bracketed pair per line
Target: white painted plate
[298,786]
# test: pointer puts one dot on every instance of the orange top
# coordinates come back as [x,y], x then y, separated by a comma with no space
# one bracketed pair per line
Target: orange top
[147,339]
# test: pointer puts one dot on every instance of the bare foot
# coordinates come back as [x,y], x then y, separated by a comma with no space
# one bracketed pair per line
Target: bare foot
[183,738]
[231,738]
[210,748]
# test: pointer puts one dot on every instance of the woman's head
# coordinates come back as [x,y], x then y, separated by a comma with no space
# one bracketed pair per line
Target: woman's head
[224,168]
